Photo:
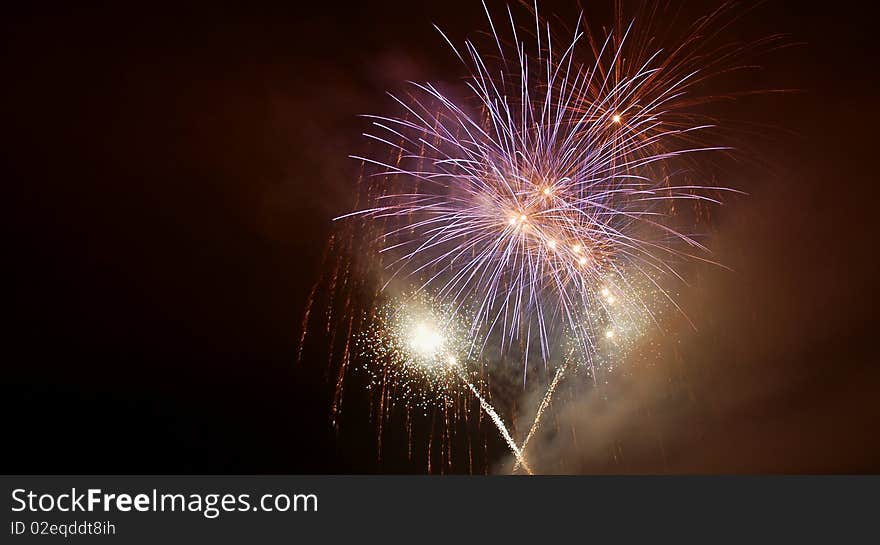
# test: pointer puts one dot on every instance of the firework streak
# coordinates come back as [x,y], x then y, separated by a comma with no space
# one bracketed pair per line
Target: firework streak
[545,402]
[500,425]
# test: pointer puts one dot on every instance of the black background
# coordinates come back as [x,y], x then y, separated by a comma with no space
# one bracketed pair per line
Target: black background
[170,176]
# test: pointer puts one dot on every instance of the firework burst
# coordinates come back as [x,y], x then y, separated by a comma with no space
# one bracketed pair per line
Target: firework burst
[546,183]
[419,346]
[540,204]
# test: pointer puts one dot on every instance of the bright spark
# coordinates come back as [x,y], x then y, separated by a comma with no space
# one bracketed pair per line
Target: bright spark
[426,340]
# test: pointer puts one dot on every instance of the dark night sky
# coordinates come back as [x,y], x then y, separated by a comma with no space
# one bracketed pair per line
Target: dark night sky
[171,175]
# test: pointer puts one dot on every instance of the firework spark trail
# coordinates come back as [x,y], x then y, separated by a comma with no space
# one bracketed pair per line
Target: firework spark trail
[545,402]
[487,407]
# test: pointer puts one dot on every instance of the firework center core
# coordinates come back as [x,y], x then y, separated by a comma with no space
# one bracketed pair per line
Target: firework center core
[426,340]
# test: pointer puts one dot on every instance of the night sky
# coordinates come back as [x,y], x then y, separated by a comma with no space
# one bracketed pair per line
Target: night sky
[171,174]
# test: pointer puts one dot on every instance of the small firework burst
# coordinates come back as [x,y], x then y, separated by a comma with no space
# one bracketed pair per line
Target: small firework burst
[421,349]
[418,347]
